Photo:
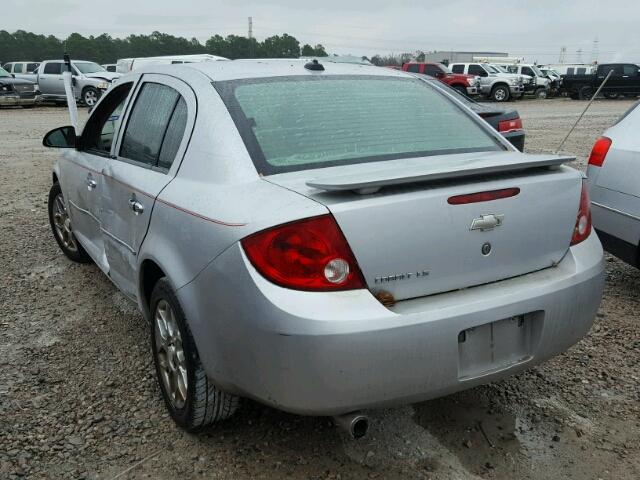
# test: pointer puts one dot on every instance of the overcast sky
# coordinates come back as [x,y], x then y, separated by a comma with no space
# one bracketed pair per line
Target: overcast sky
[533,29]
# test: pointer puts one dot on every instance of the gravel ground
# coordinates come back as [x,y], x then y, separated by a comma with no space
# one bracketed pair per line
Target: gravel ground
[78,395]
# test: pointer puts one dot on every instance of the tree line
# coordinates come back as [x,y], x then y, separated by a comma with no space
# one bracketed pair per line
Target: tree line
[29,46]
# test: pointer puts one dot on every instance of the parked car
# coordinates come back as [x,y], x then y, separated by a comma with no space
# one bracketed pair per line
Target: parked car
[465,84]
[90,80]
[614,187]
[494,84]
[110,67]
[125,65]
[507,121]
[17,91]
[555,79]
[625,80]
[25,70]
[540,84]
[323,238]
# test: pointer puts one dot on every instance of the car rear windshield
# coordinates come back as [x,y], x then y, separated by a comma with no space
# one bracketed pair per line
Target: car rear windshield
[297,123]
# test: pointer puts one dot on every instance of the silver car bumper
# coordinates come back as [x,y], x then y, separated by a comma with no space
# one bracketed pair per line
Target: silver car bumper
[330,353]
[473,90]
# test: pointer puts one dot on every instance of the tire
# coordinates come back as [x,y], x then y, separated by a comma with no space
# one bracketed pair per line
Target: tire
[574,96]
[61,227]
[90,96]
[611,96]
[541,93]
[461,90]
[585,92]
[199,404]
[500,93]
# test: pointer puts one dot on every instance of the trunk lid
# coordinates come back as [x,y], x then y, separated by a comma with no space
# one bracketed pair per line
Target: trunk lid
[409,241]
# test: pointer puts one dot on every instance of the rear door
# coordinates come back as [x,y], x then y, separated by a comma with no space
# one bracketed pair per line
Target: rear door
[147,158]
[50,79]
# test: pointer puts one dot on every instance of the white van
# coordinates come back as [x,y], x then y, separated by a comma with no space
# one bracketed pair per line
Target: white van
[125,65]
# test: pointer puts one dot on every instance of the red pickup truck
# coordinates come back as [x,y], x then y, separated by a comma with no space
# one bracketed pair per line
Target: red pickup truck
[463,83]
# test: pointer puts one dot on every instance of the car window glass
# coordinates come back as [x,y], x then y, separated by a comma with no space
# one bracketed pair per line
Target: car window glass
[528,71]
[173,137]
[630,70]
[103,124]
[476,70]
[148,123]
[18,68]
[53,68]
[32,67]
[7,67]
[431,70]
[414,68]
[457,68]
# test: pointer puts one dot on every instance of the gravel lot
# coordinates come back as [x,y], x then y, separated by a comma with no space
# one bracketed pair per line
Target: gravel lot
[78,395]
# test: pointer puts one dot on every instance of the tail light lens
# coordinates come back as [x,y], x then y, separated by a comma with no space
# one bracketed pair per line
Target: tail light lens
[310,254]
[599,151]
[507,126]
[583,223]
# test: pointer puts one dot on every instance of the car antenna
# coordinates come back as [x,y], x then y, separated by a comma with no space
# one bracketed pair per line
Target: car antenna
[584,111]
[67,77]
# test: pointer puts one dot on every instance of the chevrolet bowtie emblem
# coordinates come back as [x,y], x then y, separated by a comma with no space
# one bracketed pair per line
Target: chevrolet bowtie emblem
[486,222]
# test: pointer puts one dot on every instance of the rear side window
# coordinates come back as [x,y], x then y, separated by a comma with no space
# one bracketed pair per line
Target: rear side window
[457,69]
[18,68]
[297,123]
[174,135]
[432,70]
[413,68]
[151,119]
[32,67]
[477,70]
[53,68]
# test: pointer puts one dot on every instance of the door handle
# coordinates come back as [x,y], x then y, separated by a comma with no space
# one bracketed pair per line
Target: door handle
[91,183]
[136,206]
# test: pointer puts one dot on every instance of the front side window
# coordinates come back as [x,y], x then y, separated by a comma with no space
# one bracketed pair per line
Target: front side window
[457,68]
[149,122]
[528,71]
[413,68]
[297,123]
[630,70]
[7,67]
[477,70]
[18,68]
[32,67]
[53,68]
[102,127]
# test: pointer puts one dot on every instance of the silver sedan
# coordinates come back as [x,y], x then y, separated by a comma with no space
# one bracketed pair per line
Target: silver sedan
[614,186]
[323,238]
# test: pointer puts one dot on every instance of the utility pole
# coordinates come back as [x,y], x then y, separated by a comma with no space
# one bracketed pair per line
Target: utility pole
[252,54]
[579,54]
[594,52]
[563,54]
[250,27]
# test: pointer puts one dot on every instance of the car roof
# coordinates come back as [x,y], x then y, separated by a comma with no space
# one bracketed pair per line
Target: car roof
[279,67]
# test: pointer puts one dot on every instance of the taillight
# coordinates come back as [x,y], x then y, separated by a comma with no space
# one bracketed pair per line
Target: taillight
[507,126]
[599,151]
[310,254]
[583,223]
[483,196]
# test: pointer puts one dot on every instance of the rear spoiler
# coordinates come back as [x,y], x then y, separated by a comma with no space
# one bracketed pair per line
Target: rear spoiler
[430,170]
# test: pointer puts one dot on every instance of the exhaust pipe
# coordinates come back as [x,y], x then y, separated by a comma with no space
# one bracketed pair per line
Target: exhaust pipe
[356,424]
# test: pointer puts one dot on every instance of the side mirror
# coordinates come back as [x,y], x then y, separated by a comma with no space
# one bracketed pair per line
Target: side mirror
[61,137]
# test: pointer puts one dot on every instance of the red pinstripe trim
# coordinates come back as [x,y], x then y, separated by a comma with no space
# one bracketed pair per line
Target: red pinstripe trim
[164,202]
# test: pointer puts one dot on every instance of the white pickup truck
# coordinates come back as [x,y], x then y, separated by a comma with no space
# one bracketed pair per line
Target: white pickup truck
[90,80]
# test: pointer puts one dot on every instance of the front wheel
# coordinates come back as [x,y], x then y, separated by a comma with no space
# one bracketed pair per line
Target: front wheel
[541,93]
[191,398]
[585,92]
[500,93]
[90,96]
[61,227]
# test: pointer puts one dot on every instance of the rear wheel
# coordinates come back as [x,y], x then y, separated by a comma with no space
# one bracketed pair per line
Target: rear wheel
[61,227]
[191,398]
[500,93]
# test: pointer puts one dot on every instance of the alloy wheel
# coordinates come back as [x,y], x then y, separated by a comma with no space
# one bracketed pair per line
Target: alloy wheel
[170,355]
[62,224]
[90,98]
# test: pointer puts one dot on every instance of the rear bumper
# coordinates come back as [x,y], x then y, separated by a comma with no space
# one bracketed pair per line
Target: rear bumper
[331,353]
[516,139]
